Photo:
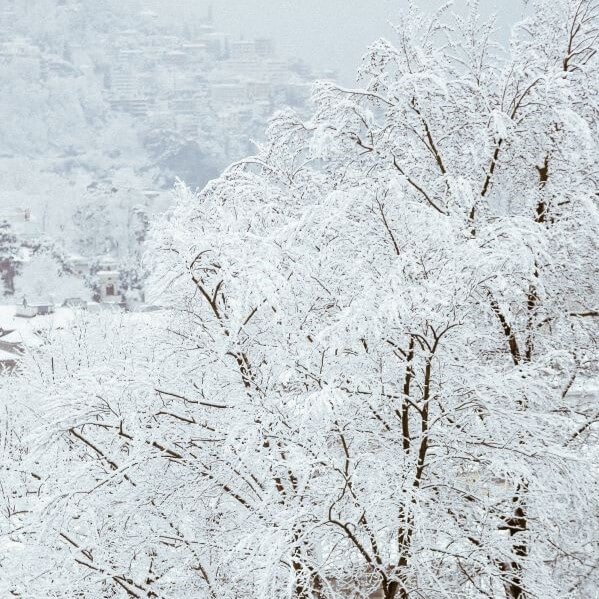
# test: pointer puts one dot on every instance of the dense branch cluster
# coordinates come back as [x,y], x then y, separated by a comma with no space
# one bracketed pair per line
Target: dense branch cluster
[374,373]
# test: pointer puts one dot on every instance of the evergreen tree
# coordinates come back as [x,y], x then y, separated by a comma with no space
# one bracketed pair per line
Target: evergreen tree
[9,257]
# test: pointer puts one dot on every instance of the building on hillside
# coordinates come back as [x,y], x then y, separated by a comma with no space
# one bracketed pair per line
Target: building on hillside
[195,52]
[227,93]
[277,71]
[259,91]
[108,281]
[27,309]
[264,47]
[176,59]
[243,50]
[15,214]
[126,85]
[134,106]
[107,262]
[247,69]
[216,43]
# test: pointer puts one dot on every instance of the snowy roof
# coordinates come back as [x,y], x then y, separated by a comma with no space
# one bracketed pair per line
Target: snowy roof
[39,301]
[108,273]
[78,258]
[6,356]
[26,327]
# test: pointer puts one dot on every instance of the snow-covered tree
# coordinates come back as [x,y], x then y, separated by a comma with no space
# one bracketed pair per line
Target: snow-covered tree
[178,156]
[132,280]
[138,228]
[42,277]
[94,228]
[10,259]
[376,371]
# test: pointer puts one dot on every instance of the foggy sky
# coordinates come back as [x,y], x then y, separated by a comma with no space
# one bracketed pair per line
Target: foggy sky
[329,34]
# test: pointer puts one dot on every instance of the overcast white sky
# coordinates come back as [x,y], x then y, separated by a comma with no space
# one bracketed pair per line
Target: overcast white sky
[326,33]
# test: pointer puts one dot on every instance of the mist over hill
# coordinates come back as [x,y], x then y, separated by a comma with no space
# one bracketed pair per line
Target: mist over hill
[108,105]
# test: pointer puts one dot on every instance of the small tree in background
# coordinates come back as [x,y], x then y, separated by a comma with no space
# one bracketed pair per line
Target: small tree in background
[10,262]
[43,277]
[132,280]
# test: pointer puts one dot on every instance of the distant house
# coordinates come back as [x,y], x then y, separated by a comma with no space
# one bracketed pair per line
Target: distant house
[44,308]
[109,286]
[259,90]
[195,52]
[227,93]
[264,47]
[38,308]
[243,50]
[107,262]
